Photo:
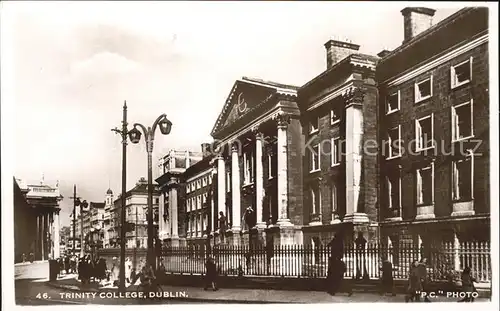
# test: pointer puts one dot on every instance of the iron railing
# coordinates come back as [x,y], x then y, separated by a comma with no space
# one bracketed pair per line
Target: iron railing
[307,261]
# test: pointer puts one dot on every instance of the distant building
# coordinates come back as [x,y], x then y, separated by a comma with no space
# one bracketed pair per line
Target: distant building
[136,214]
[171,169]
[108,228]
[36,220]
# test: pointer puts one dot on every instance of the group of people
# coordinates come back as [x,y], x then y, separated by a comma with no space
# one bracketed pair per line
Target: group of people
[87,268]
[68,264]
[418,282]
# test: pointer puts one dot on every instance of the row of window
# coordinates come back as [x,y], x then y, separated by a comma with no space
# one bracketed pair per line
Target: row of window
[197,225]
[462,184]
[336,150]
[197,202]
[460,74]
[461,128]
[249,169]
[199,183]
[335,115]
[315,198]
[462,187]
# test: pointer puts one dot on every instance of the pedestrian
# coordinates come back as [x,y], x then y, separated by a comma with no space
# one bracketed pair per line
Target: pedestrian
[422,272]
[361,271]
[387,281]
[468,285]
[128,269]
[414,284]
[338,283]
[337,246]
[23,257]
[115,272]
[329,277]
[269,252]
[66,265]
[211,274]
[80,270]
[161,271]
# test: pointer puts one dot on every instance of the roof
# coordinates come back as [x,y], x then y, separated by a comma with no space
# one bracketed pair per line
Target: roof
[355,59]
[270,83]
[97,204]
[140,188]
[198,167]
[278,88]
[109,191]
[457,28]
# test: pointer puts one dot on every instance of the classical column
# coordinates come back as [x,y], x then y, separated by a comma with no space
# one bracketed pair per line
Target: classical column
[213,208]
[283,120]
[173,206]
[353,158]
[57,239]
[221,187]
[37,237]
[235,189]
[42,235]
[163,226]
[259,179]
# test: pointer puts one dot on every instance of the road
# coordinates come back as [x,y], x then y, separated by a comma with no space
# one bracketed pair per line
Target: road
[31,289]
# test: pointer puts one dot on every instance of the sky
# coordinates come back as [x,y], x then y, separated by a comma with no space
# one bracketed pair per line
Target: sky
[74,63]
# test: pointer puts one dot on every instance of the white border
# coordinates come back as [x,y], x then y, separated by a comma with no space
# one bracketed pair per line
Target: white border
[8,159]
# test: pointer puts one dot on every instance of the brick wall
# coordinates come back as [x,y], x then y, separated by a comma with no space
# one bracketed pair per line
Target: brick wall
[444,97]
[327,174]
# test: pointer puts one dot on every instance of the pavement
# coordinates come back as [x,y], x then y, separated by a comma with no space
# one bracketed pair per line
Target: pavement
[33,288]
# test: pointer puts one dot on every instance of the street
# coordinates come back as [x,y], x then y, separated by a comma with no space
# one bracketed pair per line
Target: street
[31,289]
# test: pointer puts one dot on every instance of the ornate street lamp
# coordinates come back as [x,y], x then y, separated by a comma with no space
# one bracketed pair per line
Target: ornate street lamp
[135,136]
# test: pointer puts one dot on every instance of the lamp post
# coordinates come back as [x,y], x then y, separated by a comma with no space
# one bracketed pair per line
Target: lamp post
[83,204]
[135,137]
[123,133]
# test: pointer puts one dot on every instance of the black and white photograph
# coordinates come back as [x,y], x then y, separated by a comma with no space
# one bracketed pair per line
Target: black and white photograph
[261,152]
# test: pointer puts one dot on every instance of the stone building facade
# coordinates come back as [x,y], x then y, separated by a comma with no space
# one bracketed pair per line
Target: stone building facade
[36,220]
[329,156]
[135,215]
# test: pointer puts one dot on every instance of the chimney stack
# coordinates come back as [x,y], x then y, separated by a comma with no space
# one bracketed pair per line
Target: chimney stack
[337,50]
[416,20]
[383,53]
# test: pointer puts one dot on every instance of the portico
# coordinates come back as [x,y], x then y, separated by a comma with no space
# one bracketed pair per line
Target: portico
[254,135]
[39,229]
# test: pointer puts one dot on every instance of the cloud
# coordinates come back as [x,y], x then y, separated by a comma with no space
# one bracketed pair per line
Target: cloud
[104,63]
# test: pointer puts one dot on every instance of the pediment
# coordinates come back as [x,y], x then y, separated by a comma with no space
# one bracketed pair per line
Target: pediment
[246,96]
